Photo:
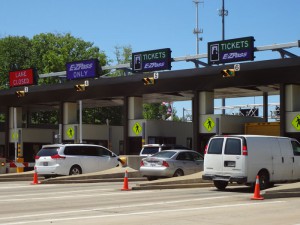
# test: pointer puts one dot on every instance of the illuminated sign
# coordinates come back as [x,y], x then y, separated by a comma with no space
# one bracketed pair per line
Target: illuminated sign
[22,77]
[154,60]
[83,69]
[233,50]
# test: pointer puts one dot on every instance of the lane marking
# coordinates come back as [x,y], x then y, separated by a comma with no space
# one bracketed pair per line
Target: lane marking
[115,207]
[70,196]
[113,214]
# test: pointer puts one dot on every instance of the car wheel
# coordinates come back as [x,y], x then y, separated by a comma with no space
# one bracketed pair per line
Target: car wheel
[264,179]
[178,173]
[151,178]
[221,185]
[75,170]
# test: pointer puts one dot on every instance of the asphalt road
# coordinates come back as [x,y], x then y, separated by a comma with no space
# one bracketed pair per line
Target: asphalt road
[105,203]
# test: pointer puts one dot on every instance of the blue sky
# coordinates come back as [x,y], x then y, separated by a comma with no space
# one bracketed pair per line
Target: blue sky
[149,25]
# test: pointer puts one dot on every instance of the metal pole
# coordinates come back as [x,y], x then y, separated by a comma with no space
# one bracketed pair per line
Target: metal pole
[80,121]
[223,20]
[15,132]
[197,28]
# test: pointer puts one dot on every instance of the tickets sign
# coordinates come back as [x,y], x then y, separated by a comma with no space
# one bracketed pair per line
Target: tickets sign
[154,60]
[233,50]
[22,77]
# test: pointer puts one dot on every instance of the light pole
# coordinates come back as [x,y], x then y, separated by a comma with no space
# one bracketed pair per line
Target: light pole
[197,31]
[223,13]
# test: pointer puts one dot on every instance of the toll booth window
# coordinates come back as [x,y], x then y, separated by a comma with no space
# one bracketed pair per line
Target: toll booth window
[233,147]
[296,148]
[215,146]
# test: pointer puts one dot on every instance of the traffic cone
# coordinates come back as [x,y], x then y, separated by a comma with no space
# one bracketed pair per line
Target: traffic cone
[257,195]
[125,186]
[35,177]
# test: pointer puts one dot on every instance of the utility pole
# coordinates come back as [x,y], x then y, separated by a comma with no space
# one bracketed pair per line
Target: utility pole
[197,31]
[223,13]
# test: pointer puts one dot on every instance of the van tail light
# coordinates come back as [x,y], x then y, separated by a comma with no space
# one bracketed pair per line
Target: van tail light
[245,150]
[165,164]
[36,157]
[57,156]
[142,163]
[205,150]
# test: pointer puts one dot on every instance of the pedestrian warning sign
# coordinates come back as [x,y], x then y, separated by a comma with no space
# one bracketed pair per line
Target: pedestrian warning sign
[296,122]
[137,128]
[70,132]
[209,124]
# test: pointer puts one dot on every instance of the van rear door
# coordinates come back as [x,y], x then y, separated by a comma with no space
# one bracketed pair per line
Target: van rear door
[234,157]
[213,163]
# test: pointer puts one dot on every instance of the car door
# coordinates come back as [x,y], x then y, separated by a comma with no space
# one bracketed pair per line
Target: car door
[198,162]
[185,162]
[105,159]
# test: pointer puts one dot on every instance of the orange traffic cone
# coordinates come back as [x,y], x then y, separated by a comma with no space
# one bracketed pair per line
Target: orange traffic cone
[125,186]
[257,195]
[35,177]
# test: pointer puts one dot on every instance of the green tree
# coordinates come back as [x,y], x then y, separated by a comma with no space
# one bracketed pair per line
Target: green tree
[15,53]
[51,52]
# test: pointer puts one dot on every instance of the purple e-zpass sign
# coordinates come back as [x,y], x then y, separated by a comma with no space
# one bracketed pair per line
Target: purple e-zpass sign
[83,69]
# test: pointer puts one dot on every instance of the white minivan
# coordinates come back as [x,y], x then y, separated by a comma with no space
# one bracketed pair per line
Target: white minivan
[72,159]
[240,158]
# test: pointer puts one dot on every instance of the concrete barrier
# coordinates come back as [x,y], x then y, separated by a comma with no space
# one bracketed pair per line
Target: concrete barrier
[132,161]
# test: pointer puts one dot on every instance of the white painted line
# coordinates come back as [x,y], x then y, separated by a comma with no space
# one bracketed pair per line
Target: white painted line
[69,196]
[115,207]
[141,213]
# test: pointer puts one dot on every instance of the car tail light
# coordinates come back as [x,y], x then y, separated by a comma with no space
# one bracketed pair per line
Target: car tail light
[205,150]
[36,157]
[165,164]
[57,156]
[245,150]
[142,163]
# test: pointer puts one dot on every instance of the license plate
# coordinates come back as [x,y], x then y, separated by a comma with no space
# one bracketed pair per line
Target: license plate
[45,163]
[229,163]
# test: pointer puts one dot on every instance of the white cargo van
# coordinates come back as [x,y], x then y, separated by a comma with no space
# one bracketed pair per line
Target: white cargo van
[240,158]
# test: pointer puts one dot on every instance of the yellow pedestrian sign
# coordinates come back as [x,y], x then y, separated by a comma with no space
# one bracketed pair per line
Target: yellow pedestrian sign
[15,136]
[296,122]
[209,124]
[70,132]
[137,128]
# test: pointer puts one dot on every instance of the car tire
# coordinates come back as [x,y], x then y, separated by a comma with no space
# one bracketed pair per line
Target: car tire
[220,184]
[178,173]
[75,170]
[264,180]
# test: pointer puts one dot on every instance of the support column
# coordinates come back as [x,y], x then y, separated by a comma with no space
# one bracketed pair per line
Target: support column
[282,110]
[70,113]
[265,106]
[135,108]
[125,131]
[195,115]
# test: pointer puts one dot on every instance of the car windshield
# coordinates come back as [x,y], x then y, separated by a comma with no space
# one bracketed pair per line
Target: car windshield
[48,151]
[150,150]
[164,154]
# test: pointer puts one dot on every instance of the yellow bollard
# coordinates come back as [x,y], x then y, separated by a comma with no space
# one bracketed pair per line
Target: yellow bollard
[20,169]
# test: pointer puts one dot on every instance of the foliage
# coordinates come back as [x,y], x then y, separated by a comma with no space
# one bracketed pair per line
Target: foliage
[47,52]
[123,56]
[15,53]
[158,111]
[101,114]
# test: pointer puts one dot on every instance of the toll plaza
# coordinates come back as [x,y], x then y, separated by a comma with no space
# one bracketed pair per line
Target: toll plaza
[21,138]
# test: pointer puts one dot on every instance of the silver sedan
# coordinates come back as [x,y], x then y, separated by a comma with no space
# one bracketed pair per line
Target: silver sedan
[171,163]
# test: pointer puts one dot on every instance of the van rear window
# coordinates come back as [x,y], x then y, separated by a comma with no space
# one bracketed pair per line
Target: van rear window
[233,146]
[48,151]
[215,146]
